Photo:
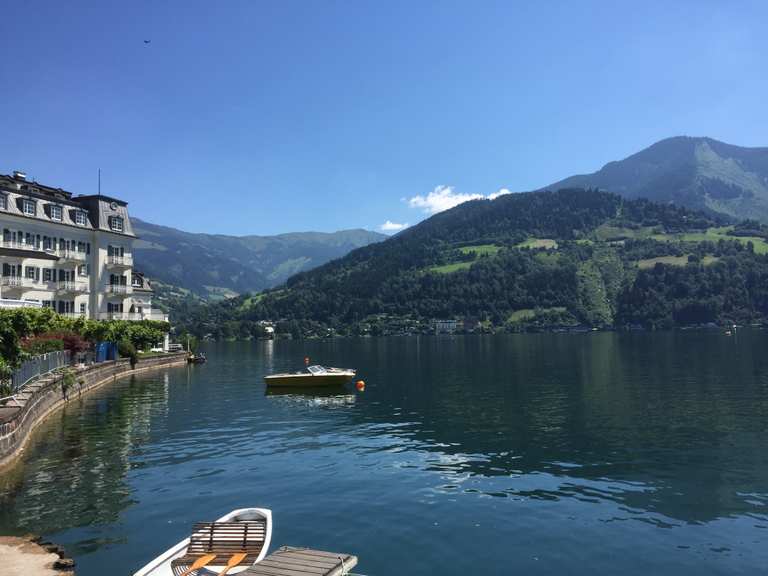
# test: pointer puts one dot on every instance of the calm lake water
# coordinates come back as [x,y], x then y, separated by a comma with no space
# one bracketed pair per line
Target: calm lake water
[533,454]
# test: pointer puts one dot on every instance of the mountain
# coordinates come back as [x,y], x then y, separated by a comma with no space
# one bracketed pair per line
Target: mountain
[543,259]
[699,173]
[217,265]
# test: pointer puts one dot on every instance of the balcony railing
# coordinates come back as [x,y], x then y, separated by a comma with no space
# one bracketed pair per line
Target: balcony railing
[119,261]
[72,286]
[16,282]
[16,245]
[135,316]
[10,303]
[119,289]
[72,256]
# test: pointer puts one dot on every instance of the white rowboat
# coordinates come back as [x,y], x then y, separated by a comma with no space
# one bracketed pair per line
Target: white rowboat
[247,529]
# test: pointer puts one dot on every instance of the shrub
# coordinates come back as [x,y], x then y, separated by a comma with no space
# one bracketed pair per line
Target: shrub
[42,344]
[127,350]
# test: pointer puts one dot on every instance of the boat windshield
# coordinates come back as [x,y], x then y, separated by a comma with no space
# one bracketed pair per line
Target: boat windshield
[316,370]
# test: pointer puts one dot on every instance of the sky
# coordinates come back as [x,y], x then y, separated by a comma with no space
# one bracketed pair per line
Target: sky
[258,117]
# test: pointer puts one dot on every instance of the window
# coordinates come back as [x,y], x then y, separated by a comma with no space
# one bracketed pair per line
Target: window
[48,243]
[29,272]
[82,308]
[82,270]
[116,223]
[80,218]
[48,304]
[56,212]
[3,202]
[30,208]
[47,275]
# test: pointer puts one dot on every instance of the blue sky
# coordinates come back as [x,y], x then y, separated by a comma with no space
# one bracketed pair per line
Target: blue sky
[247,117]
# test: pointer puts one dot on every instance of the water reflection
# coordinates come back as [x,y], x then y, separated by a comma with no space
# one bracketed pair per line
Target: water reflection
[528,433]
[76,469]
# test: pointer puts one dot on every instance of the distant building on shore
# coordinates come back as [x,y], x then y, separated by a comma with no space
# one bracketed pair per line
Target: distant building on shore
[445,326]
[73,254]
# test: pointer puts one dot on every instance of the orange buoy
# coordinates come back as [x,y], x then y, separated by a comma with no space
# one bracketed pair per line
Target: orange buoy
[360,385]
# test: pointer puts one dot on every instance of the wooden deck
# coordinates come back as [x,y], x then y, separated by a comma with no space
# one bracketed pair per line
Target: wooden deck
[291,561]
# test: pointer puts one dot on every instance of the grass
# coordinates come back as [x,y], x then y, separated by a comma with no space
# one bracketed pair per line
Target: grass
[606,232]
[547,243]
[673,261]
[529,314]
[481,249]
[670,260]
[488,250]
[713,235]
[448,268]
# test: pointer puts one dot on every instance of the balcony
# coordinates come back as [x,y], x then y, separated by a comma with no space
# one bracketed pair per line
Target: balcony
[73,315]
[17,283]
[72,256]
[134,316]
[72,287]
[119,262]
[118,290]
[7,303]
[15,245]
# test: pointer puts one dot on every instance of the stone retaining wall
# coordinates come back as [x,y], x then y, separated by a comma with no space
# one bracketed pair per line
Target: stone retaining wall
[16,430]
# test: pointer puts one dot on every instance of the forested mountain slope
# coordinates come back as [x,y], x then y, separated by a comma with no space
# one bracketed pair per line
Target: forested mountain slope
[217,265]
[544,259]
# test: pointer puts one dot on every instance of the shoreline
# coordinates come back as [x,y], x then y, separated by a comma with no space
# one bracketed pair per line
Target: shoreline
[17,431]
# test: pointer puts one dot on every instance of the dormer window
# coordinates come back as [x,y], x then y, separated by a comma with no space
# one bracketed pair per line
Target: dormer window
[80,218]
[3,202]
[30,207]
[56,212]
[116,223]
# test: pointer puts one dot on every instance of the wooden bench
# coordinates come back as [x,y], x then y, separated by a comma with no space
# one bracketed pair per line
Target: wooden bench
[223,539]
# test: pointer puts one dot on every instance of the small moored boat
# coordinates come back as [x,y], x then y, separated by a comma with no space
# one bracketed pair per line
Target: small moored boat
[312,376]
[234,543]
[198,358]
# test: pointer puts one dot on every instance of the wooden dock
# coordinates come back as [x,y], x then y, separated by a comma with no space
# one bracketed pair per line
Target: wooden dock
[292,561]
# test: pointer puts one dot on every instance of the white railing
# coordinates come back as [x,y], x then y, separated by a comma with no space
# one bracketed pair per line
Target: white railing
[8,303]
[119,260]
[72,255]
[71,286]
[16,245]
[17,282]
[118,289]
[135,316]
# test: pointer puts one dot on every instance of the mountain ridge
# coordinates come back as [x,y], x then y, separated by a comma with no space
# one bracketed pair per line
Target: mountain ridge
[696,172]
[215,265]
[565,259]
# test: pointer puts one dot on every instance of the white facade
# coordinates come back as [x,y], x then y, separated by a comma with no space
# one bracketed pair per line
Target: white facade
[73,254]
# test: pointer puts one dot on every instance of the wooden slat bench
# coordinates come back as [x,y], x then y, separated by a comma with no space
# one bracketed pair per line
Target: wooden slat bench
[292,561]
[223,539]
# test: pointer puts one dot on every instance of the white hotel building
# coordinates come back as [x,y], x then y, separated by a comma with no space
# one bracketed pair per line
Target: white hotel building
[70,253]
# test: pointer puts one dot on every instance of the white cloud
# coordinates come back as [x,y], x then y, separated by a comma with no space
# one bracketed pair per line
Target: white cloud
[390,226]
[501,192]
[445,197]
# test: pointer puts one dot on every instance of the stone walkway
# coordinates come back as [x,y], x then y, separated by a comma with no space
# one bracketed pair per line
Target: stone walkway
[22,557]
[12,407]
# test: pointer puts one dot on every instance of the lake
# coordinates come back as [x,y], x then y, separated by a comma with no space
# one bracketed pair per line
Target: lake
[601,453]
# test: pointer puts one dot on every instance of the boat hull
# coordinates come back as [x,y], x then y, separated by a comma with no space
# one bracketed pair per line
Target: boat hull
[308,380]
